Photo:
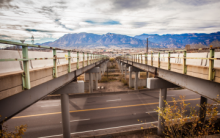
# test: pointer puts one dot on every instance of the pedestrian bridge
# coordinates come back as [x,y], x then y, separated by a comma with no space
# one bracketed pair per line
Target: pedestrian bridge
[196,69]
[31,73]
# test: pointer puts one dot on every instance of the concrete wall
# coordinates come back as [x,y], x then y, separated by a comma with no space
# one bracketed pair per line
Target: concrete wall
[141,83]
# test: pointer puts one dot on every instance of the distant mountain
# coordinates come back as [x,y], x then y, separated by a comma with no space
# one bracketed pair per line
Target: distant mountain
[94,40]
[180,40]
[89,40]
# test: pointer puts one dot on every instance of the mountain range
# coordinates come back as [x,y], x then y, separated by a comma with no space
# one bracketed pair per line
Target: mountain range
[90,40]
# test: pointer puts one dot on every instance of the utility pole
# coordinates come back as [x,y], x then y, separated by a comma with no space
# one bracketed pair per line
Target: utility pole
[32,39]
[147,46]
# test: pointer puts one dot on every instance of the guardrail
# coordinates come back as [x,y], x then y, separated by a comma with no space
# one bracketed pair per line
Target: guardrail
[91,58]
[139,59]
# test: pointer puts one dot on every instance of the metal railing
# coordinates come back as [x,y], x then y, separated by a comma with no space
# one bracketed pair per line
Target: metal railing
[91,58]
[211,73]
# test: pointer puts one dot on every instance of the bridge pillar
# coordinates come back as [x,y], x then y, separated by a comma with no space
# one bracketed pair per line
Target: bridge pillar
[125,71]
[130,78]
[136,70]
[139,75]
[161,121]
[147,77]
[136,81]
[157,83]
[122,69]
[90,82]
[96,80]
[65,115]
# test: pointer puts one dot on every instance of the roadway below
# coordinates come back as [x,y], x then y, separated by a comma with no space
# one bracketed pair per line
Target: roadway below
[91,113]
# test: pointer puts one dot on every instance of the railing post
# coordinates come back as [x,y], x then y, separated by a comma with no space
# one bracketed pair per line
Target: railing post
[69,61]
[168,60]
[92,58]
[77,65]
[159,60]
[54,63]
[135,57]
[211,64]
[83,59]
[152,64]
[87,59]
[184,62]
[146,58]
[141,59]
[26,73]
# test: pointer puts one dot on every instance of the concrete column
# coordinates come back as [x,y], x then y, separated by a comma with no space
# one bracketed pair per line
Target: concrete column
[139,75]
[65,115]
[136,81]
[125,71]
[161,121]
[96,80]
[146,78]
[122,69]
[90,83]
[203,103]
[130,78]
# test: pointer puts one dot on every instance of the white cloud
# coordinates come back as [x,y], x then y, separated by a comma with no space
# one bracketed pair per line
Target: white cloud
[52,19]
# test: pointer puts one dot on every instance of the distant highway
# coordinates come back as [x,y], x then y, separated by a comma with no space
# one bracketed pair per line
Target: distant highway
[91,113]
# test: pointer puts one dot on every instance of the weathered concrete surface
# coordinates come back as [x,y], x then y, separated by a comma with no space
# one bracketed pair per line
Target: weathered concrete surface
[157,83]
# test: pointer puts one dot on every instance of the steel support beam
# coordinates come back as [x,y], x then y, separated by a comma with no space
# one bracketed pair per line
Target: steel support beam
[65,115]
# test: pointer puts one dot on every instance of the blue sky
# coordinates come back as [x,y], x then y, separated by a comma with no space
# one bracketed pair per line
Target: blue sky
[48,20]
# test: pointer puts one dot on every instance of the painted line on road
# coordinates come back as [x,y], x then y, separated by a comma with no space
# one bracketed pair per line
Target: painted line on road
[94,109]
[113,100]
[49,105]
[103,129]
[150,112]
[78,120]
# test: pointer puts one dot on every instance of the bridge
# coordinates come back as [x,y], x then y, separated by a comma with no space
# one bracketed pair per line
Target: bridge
[31,74]
[196,69]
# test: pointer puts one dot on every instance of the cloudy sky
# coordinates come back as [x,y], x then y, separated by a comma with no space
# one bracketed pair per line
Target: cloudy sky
[48,20]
